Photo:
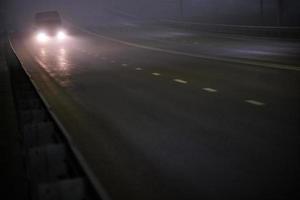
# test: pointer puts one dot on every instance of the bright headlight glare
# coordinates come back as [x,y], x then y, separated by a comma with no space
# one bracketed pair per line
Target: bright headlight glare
[61,35]
[42,37]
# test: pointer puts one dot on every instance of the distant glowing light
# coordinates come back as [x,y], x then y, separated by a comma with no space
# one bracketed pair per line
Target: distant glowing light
[61,35]
[42,37]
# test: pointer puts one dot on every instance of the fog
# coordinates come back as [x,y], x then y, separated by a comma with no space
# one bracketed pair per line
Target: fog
[92,12]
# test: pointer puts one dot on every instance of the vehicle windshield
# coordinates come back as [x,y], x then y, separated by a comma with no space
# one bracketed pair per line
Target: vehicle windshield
[44,19]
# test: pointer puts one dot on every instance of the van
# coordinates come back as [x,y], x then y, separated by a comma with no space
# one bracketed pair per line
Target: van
[49,26]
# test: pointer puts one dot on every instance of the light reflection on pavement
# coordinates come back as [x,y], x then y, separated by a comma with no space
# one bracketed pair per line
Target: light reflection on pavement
[56,60]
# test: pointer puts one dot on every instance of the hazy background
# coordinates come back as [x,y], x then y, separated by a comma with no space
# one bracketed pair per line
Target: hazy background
[247,12]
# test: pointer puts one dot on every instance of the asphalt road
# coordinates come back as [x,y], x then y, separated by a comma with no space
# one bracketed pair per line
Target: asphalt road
[157,125]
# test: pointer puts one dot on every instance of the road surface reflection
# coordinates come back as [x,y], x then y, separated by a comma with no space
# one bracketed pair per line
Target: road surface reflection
[56,60]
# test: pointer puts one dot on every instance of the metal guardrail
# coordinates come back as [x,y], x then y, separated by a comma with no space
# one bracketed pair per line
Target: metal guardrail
[55,168]
[263,31]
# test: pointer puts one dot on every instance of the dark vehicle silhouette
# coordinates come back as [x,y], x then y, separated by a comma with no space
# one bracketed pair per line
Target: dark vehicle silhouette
[49,26]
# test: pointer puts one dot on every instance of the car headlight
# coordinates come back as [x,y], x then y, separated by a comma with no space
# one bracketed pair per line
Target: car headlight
[42,37]
[61,35]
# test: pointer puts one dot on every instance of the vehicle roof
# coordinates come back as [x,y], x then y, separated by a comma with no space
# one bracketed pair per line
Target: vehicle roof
[47,15]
